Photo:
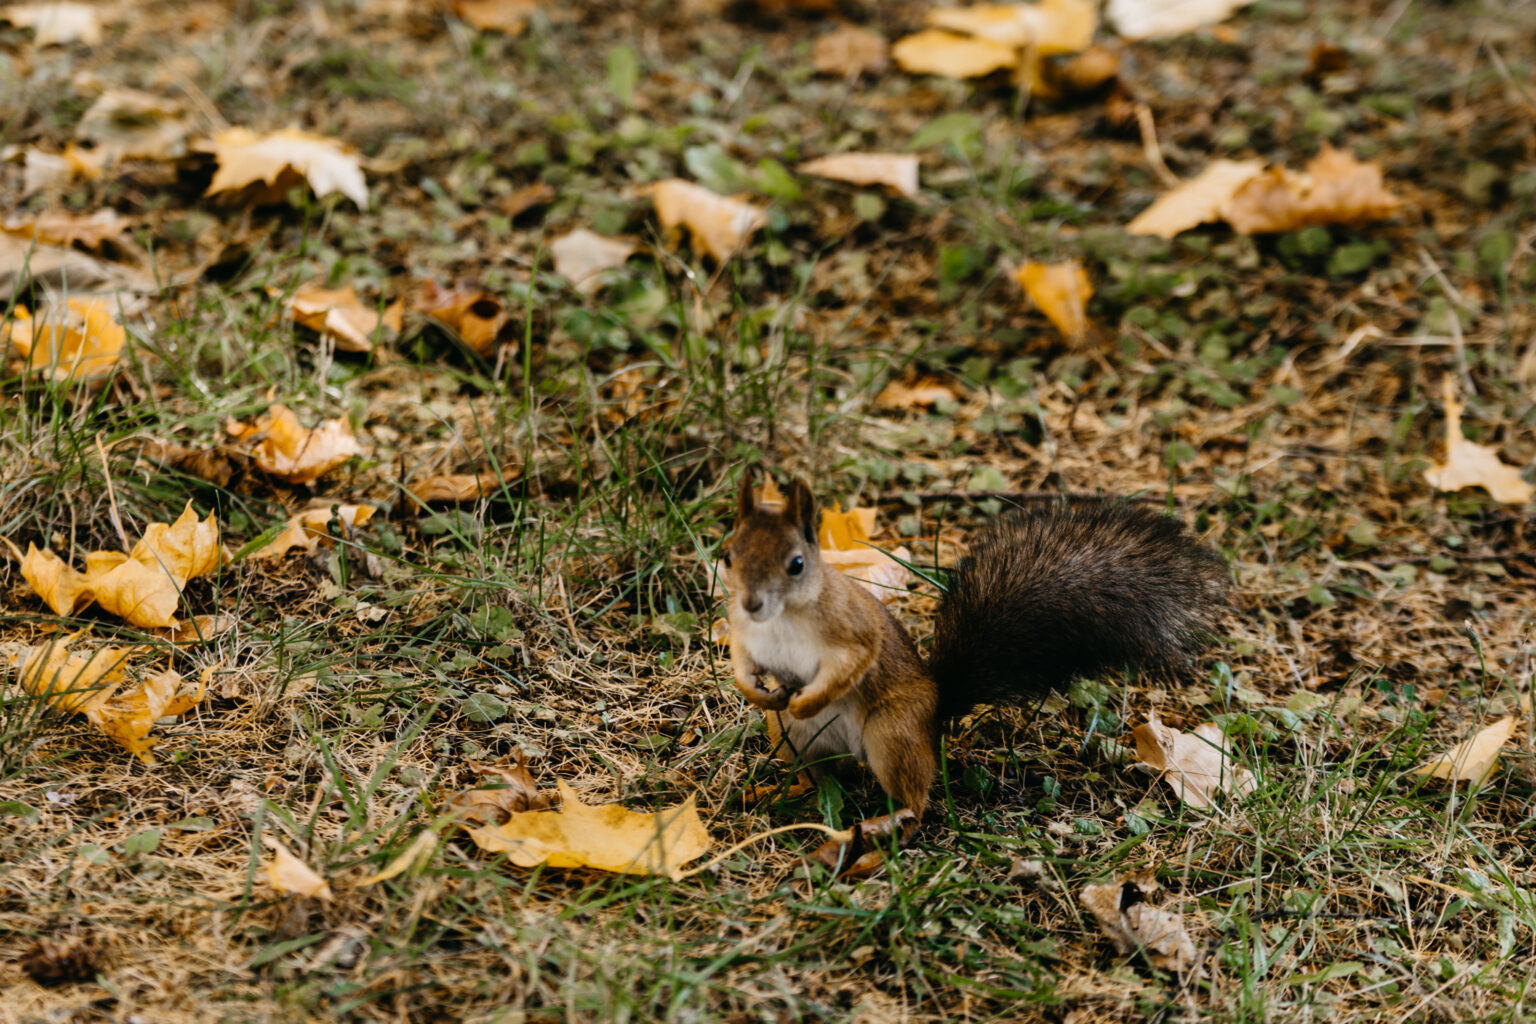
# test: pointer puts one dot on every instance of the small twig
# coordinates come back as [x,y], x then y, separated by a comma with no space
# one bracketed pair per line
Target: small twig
[112,514]
[1149,146]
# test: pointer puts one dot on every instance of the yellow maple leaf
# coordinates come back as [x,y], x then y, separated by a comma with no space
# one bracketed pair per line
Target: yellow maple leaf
[607,837]
[1062,291]
[97,686]
[80,341]
[311,529]
[246,158]
[936,52]
[289,451]
[1197,201]
[142,587]
[718,224]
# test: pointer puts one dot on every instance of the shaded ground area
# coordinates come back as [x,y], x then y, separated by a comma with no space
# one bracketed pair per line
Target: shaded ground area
[1282,394]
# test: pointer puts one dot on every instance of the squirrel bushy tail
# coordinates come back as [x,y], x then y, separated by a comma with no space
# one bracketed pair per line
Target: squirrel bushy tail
[1043,597]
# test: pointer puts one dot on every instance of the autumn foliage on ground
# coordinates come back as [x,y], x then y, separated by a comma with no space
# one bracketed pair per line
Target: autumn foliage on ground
[376,378]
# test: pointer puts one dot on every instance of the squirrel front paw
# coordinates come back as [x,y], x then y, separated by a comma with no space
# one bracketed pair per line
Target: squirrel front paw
[756,690]
[807,703]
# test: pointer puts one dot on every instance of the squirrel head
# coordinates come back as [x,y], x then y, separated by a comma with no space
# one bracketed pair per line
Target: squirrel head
[772,560]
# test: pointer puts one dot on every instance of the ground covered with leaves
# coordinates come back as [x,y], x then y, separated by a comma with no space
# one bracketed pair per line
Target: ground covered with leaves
[535,359]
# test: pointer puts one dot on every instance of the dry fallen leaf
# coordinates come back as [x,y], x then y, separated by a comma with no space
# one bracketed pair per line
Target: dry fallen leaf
[80,341]
[1148,19]
[1469,464]
[418,851]
[844,542]
[608,837]
[922,393]
[246,158]
[509,17]
[142,587]
[125,124]
[517,793]
[1475,759]
[342,316]
[1195,765]
[1197,201]
[1062,291]
[582,256]
[97,686]
[477,317]
[287,450]
[896,171]
[1133,924]
[457,487]
[311,529]
[936,52]
[851,51]
[56,24]
[719,224]
[286,873]
[59,228]
[1049,27]
[1336,189]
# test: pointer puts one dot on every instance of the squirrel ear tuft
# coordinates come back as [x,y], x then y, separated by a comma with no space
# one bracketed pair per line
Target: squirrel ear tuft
[744,501]
[802,511]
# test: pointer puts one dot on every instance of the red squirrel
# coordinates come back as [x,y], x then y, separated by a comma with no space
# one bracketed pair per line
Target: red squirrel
[1039,599]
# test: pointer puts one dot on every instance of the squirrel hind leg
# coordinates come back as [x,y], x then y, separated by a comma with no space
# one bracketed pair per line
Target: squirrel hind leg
[902,757]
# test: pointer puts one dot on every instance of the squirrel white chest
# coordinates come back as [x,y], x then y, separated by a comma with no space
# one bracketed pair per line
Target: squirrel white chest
[783,646]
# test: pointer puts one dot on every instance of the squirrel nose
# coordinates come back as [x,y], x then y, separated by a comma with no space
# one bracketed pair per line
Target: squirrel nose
[752,603]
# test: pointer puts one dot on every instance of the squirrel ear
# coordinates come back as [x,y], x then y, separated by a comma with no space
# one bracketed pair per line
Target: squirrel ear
[744,501]
[802,511]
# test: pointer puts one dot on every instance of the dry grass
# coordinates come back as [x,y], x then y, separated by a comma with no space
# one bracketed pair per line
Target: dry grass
[566,617]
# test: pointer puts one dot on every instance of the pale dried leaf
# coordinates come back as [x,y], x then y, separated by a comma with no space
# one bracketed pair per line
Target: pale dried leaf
[56,24]
[1336,189]
[287,874]
[1133,924]
[1148,19]
[1049,27]
[718,224]
[457,487]
[877,571]
[1197,201]
[125,124]
[1195,765]
[341,315]
[851,51]
[1469,464]
[1475,759]
[43,171]
[246,158]
[896,171]
[936,52]
[582,256]
[608,837]
[1062,291]
[65,229]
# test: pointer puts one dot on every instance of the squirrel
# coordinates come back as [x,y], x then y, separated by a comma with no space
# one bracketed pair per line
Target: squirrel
[1038,600]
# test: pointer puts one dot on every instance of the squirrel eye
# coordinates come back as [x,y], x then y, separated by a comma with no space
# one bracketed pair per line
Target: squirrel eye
[796,565]
[727,559]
